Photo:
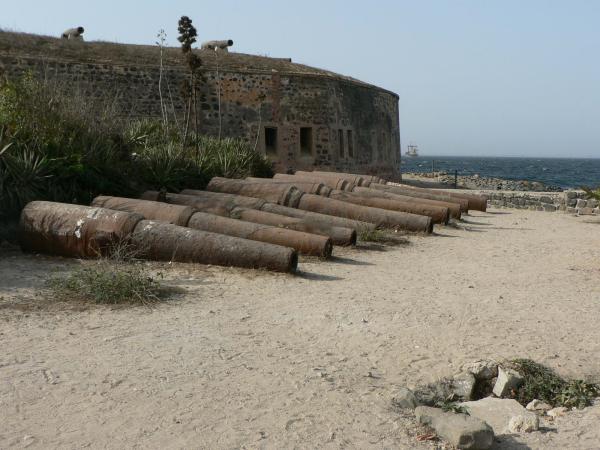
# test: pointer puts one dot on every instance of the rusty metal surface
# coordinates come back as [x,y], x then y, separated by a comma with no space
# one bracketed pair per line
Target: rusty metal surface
[166,242]
[476,202]
[281,194]
[328,178]
[305,243]
[323,219]
[381,217]
[357,180]
[339,235]
[464,204]
[332,183]
[73,230]
[213,203]
[438,214]
[210,202]
[306,186]
[151,210]
[453,208]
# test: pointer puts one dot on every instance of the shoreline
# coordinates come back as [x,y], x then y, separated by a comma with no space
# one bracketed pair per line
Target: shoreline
[477,182]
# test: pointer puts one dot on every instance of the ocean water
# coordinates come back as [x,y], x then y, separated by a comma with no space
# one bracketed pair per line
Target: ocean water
[562,172]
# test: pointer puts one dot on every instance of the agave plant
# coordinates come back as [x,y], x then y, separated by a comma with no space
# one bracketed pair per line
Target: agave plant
[23,177]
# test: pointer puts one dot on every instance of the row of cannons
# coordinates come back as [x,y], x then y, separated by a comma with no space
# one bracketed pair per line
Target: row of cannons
[251,223]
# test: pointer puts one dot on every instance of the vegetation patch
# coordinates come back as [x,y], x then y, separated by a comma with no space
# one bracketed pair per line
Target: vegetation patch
[116,279]
[542,383]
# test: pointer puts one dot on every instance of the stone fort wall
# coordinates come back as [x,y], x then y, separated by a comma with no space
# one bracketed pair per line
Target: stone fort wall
[301,117]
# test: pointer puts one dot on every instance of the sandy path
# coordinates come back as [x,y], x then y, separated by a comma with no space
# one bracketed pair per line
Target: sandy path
[260,360]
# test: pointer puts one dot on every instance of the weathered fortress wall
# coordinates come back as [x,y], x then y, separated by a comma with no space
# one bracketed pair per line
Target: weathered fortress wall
[301,117]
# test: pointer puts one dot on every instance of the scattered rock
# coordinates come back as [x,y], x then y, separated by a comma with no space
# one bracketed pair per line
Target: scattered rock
[458,388]
[557,412]
[581,203]
[497,412]
[459,430]
[482,370]
[585,211]
[538,405]
[463,386]
[508,381]
[405,398]
[524,423]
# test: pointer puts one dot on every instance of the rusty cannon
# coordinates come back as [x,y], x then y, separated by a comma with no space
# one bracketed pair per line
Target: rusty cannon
[167,242]
[163,212]
[438,214]
[356,180]
[256,211]
[309,202]
[223,204]
[73,230]
[281,194]
[306,186]
[394,189]
[89,232]
[453,208]
[332,183]
[476,202]
[305,243]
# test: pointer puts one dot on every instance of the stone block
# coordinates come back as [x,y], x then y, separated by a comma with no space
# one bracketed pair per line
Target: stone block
[508,381]
[571,210]
[581,203]
[546,199]
[404,398]
[592,203]
[459,430]
[497,412]
[549,208]
[482,370]
[585,211]
[571,195]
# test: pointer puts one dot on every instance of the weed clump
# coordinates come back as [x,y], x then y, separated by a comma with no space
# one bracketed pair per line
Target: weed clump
[116,279]
[542,383]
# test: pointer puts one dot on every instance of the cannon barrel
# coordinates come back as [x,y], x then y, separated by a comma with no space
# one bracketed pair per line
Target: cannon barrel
[164,212]
[464,204]
[167,242]
[381,217]
[333,183]
[305,243]
[281,194]
[73,230]
[438,214]
[453,208]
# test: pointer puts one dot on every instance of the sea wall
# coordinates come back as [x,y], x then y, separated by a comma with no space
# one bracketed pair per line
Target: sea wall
[572,201]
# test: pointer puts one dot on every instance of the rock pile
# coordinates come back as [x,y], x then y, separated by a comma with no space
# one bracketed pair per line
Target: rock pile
[470,408]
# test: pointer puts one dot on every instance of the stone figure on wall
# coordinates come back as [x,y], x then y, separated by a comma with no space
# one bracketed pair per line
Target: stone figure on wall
[73,34]
[218,46]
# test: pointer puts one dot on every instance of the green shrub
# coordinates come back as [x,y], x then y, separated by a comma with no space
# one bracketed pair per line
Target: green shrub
[56,145]
[542,383]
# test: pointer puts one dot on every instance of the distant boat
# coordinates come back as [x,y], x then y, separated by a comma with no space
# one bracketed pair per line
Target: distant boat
[412,150]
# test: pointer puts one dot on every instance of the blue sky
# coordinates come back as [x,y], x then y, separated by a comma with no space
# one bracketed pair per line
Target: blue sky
[475,77]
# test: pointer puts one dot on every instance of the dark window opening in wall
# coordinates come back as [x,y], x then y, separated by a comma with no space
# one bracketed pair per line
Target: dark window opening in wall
[306,141]
[271,140]
[341,142]
[350,144]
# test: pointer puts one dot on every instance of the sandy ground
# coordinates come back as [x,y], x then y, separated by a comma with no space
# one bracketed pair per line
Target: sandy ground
[246,359]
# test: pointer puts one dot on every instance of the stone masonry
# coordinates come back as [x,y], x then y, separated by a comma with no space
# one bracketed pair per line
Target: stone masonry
[299,116]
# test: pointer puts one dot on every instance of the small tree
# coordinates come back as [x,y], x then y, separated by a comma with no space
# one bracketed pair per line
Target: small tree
[187,37]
